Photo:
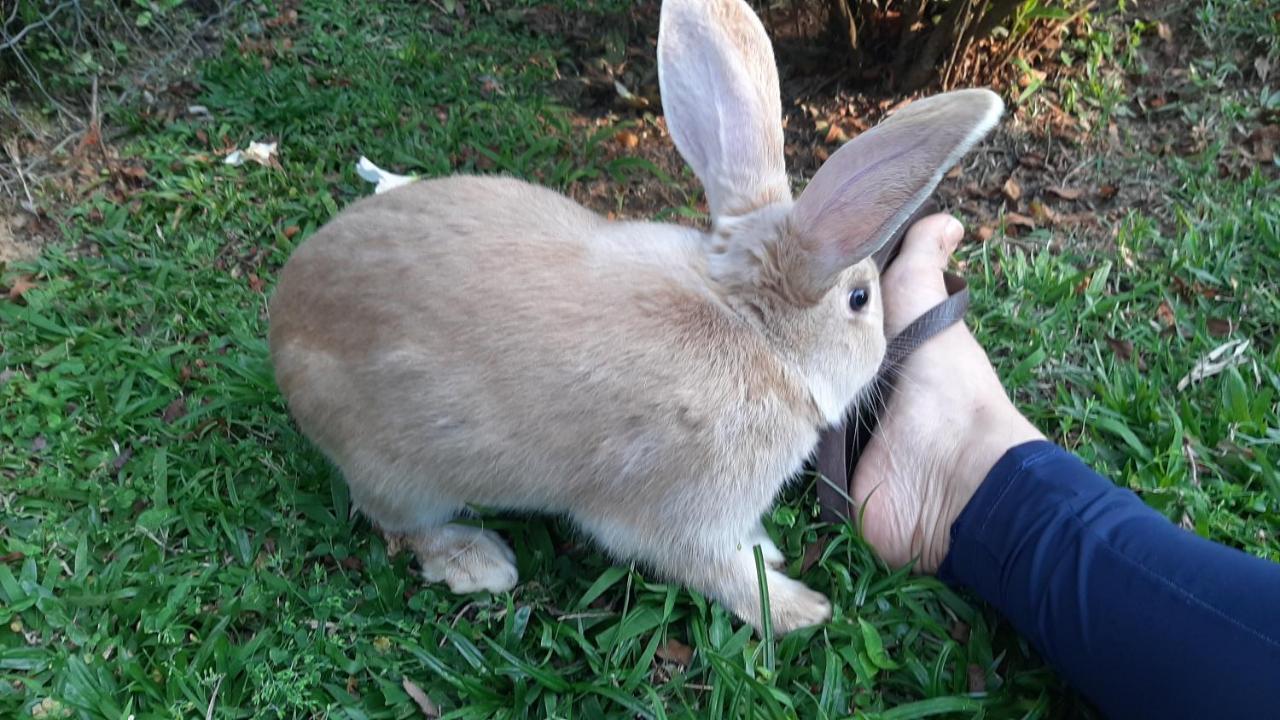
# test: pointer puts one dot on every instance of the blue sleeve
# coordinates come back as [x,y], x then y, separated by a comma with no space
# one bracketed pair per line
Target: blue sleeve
[1145,619]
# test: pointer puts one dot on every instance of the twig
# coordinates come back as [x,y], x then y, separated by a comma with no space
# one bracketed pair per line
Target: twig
[124,22]
[961,43]
[13,41]
[1045,40]
[12,14]
[93,133]
[1191,461]
[93,106]
[1071,173]
[142,78]
[208,712]
[11,147]
[35,78]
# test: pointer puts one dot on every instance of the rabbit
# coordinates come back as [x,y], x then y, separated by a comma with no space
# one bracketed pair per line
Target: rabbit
[482,341]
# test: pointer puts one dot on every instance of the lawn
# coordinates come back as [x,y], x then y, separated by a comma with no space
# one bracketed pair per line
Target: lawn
[172,547]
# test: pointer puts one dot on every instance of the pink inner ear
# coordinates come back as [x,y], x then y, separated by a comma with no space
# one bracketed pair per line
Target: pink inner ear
[869,187]
[720,95]
[842,202]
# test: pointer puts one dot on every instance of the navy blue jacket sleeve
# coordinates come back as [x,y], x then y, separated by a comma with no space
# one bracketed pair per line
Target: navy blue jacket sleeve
[1145,619]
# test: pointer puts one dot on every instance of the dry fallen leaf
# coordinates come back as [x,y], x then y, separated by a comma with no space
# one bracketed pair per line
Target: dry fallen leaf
[122,459]
[627,139]
[1263,67]
[1083,284]
[1165,314]
[1122,348]
[1191,290]
[1163,31]
[676,652]
[20,286]
[1217,360]
[813,553]
[1043,213]
[1019,220]
[1264,142]
[1030,77]
[1035,161]
[985,233]
[1012,189]
[429,709]
[977,679]
[628,98]
[290,231]
[255,283]
[1106,192]
[175,410]
[1126,256]
[1219,328]
[1065,193]
[1074,219]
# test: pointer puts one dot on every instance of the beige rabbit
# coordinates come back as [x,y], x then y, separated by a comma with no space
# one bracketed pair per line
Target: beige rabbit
[481,340]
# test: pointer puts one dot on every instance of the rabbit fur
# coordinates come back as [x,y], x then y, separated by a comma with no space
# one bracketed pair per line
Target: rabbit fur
[484,341]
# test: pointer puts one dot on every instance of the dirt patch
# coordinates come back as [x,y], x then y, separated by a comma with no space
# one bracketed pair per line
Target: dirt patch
[1025,171]
[1072,176]
[16,244]
[61,140]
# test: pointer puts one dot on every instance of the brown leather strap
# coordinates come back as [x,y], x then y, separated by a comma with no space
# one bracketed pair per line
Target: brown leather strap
[840,447]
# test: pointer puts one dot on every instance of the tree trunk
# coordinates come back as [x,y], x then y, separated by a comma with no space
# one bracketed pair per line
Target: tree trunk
[843,27]
[997,12]
[907,39]
[943,35]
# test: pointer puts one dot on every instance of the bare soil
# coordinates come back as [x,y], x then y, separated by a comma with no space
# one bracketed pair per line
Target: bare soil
[1074,175]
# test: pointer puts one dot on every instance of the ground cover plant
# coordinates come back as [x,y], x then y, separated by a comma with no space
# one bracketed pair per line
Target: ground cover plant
[171,546]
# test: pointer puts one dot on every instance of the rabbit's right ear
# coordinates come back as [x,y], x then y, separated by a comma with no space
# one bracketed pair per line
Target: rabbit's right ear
[720,95]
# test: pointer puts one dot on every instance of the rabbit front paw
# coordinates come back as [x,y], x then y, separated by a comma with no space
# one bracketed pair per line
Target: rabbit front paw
[773,557]
[467,559]
[793,605]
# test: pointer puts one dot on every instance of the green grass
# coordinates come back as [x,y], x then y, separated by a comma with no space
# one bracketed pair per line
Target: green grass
[173,545]
[1059,329]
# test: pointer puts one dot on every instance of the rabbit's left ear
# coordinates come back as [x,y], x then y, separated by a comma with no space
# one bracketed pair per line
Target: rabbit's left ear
[720,96]
[869,187]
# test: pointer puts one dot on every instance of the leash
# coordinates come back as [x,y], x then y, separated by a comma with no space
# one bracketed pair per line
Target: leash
[840,447]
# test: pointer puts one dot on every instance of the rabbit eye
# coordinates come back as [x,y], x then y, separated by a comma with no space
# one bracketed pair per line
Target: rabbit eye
[858,298]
